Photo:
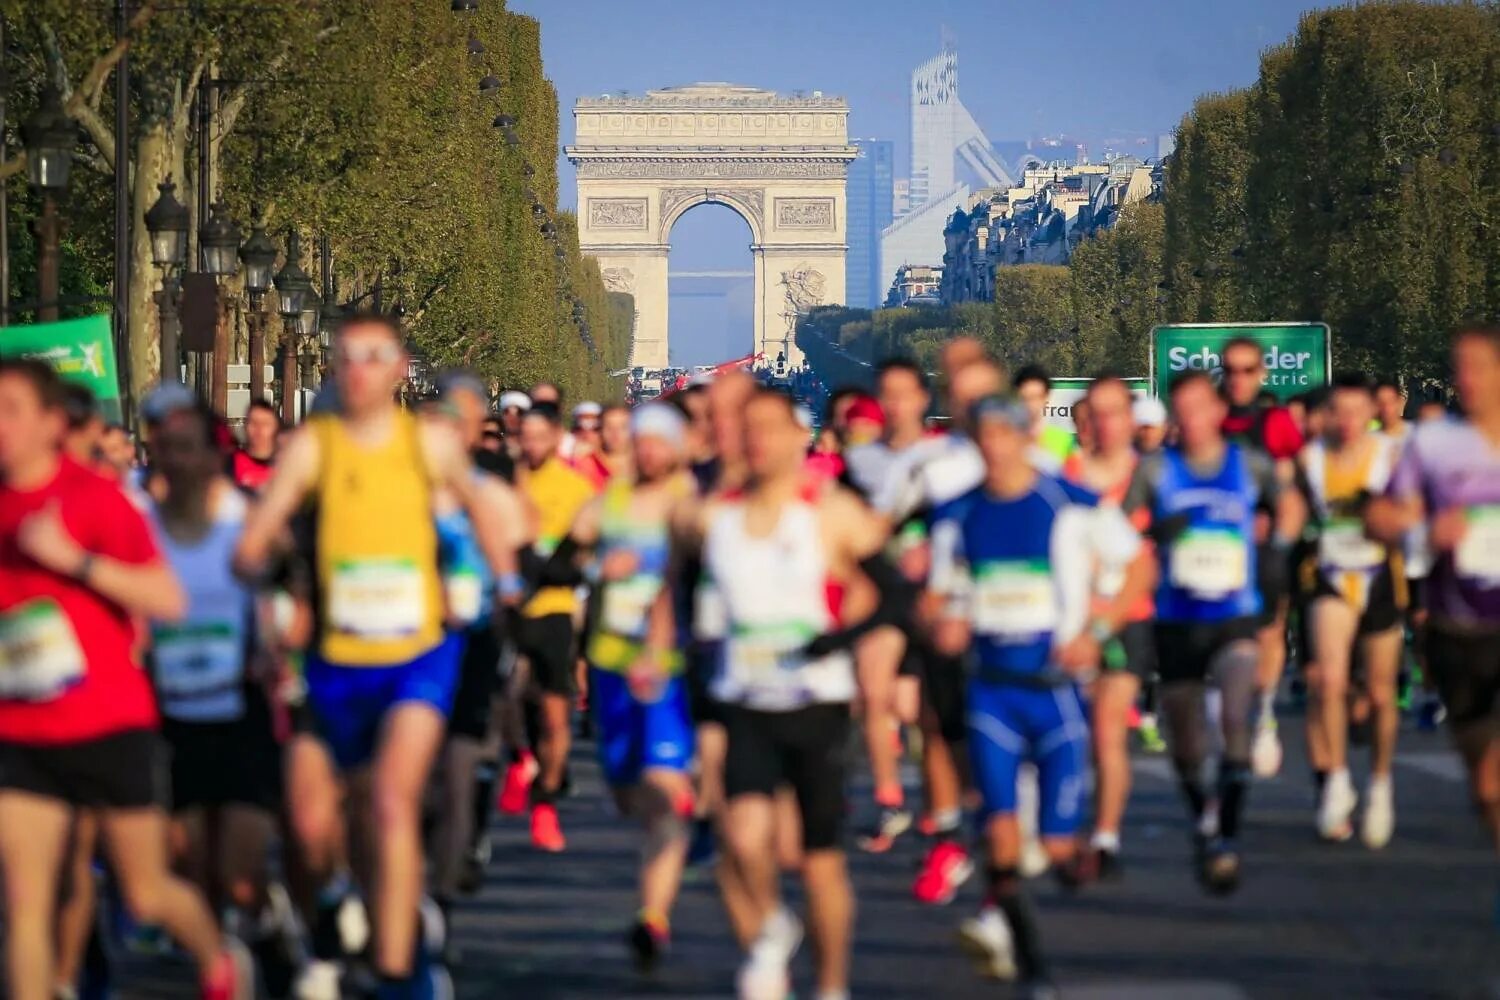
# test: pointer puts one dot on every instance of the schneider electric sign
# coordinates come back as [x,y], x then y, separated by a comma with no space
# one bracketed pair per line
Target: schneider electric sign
[1297,355]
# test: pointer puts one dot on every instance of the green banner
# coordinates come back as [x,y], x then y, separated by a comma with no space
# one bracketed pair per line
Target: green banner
[1298,356]
[79,350]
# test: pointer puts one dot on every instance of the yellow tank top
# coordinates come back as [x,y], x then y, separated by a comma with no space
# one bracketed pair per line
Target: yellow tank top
[558,493]
[377,549]
[1349,558]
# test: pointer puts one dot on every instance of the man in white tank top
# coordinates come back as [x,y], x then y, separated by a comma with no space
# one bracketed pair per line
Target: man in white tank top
[775,558]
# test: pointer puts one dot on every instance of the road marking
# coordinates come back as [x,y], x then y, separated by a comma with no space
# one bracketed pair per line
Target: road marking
[1446,766]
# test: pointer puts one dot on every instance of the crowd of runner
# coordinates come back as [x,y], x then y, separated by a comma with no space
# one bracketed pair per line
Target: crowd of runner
[263,697]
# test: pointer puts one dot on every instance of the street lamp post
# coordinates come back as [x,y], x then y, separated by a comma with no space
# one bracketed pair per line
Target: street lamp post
[259,257]
[49,136]
[219,245]
[167,221]
[292,288]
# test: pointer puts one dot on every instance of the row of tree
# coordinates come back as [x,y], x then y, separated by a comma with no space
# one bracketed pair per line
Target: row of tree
[359,120]
[1352,184]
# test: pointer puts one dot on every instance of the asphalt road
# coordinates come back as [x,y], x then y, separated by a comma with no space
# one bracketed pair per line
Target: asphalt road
[1311,920]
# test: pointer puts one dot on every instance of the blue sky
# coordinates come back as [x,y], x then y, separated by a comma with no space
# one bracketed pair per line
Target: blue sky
[1093,69]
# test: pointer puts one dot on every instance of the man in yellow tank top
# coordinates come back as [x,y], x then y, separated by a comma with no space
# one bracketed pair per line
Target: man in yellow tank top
[1358,592]
[380,673]
[545,634]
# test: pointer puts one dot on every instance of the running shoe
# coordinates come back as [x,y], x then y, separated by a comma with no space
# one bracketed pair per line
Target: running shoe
[985,938]
[890,823]
[1221,867]
[318,980]
[1148,733]
[1336,807]
[1380,813]
[1265,751]
[944,870]
[232,976]
[476,860]
[764,975]
[278,942]
[546,831]
[649,939]
[515,793]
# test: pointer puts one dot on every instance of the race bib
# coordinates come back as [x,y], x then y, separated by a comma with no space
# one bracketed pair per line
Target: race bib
[1210,563]
[39,653]
[627,605]
[464,592]
[377,598]
[198,659]
[768,657]
[710,614]
[1014,598]
[1343,546]
[1478,555]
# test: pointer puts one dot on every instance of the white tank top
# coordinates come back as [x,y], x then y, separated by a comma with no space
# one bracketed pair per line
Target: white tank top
[774,596]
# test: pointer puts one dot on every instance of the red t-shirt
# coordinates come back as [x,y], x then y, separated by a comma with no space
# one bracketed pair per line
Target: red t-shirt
[250,473]
[111,693]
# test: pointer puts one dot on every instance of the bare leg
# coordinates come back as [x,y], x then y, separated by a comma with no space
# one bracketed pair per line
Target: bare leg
[1334,624]
[188,831]
[939,768]
[713,744]
[748,873]
[1115,693]
[878,656]
[33,840]
[403,763]
[314,802]
[830,911]
[556,739]
[137,842]
[75,917]
[656,801]
[1382,663]
[1317,741]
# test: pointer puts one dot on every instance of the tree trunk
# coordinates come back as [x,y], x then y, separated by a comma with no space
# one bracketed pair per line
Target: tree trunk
[157,157]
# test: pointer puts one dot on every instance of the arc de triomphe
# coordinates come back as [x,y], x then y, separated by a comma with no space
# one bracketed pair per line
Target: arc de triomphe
[778,161]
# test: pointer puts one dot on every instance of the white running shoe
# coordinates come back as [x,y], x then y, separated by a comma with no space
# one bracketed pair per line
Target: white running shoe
[1265,751]
[353,924]
[318,980]
[1336,807]
[1380,813]
[986,939]
[764,975]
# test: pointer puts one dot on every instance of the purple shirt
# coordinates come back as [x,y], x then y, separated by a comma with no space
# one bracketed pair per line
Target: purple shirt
[1450,464]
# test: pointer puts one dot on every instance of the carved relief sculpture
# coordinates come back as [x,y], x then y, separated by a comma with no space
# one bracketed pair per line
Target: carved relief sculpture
[617,213]
[804,213]
[805,288]
[619,279]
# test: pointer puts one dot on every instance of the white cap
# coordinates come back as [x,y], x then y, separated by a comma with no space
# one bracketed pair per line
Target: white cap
[587,408]
[1148,411]
[660,420]
[514,399]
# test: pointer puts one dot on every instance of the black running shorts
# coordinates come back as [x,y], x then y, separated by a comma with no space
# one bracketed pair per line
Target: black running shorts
[1383,610]
[224,763]
[806,748]
[1466,669]
[548,645]
[120,771]
[478,680]
[1138,641]
[1185,651]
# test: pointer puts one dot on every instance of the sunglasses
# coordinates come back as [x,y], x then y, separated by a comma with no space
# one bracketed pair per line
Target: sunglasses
[1251,370]
[586,425]
[369,354]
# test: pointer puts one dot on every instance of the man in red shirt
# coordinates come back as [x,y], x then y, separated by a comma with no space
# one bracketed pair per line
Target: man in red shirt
[78,721]
[251,465]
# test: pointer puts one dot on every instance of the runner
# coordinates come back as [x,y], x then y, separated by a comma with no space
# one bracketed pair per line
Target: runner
[640,703]
[381,677]
[85,426]
[546,632]
[1034,387]
[1150,417]
[777,556]
[1204,498]
[513,406]
[78,723]
[587,444]
[614,441]
[1252,423]
[1014,562]
[251,465]
[1358,598]
[1390,410]
[1129,661]
[1449,478]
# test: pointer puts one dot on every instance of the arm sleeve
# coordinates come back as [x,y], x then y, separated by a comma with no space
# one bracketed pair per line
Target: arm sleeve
[1406,480]
[1263,471]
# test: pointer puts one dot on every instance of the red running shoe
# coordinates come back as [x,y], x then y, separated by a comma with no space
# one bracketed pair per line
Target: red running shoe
[516,791]
[546,831]
[944,870]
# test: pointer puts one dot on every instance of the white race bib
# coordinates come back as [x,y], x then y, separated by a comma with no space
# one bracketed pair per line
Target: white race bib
[39,653]
[1342,545]
[1210,563]
[377,598]
[627,605]
[464,593]
[768,657]
[1478,555]
[1014,598]
[200,661]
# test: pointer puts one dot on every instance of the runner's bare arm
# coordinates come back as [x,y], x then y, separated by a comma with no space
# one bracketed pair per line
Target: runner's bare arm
[449,464]
[293,477]
[148,589]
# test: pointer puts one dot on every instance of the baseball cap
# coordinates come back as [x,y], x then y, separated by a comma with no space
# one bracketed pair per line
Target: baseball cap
[865,408]
[587,408]
[1005,408]
[1148,411]
[513,399]
[659,420]
[166,398]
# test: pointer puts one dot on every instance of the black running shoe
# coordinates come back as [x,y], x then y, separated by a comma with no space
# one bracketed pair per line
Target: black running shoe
[1221,868]
[648,942]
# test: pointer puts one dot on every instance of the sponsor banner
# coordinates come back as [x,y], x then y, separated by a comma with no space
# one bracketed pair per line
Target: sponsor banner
[1298,356]
[1067,391]
[79,350]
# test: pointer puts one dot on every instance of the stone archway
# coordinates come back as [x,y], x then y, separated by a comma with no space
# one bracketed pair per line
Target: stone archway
[780,162]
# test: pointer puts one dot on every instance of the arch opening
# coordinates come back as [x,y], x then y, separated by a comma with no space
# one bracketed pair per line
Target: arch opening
[710,285]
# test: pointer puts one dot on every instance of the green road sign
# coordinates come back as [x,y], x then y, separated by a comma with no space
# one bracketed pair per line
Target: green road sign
[79,350]
[1299,356]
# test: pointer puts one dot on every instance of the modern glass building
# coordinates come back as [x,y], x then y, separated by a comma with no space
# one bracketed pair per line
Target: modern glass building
[869,191]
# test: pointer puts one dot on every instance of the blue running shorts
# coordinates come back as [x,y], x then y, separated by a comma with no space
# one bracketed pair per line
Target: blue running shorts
[636,736]
[1011,723]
